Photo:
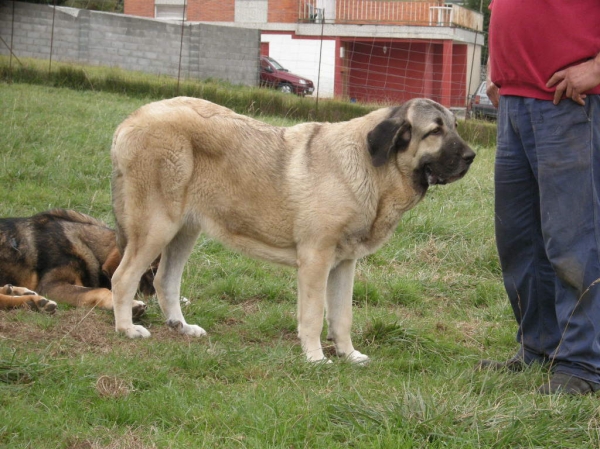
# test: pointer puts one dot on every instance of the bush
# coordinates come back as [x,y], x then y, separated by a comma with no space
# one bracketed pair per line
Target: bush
[242,99]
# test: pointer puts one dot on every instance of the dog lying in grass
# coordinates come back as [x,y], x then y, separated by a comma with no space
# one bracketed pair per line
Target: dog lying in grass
[60,256]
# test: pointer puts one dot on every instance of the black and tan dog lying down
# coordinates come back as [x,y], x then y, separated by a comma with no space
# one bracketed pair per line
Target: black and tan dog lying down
[60,256]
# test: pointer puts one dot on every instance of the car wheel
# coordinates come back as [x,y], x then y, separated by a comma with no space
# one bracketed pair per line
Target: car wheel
[285,88]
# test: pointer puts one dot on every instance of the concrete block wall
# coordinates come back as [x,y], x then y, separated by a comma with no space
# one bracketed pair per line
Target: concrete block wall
[131,43]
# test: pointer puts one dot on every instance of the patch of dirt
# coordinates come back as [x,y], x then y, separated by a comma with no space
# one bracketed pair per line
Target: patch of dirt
[72,331]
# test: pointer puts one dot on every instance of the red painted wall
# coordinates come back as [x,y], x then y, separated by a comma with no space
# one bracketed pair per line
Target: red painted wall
[264,49]
[459,75]
[405,70]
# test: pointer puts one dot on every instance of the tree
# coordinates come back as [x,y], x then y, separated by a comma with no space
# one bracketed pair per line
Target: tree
[482,6]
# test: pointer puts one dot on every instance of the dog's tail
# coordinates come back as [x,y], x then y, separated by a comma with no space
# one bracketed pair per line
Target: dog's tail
[118,200]
[118,207]
[69,216]
[121,237]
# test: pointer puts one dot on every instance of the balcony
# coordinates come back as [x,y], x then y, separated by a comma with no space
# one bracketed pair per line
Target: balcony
[389,12]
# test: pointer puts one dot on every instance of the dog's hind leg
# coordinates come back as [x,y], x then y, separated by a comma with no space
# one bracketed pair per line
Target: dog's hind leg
[339,310]
[168,280]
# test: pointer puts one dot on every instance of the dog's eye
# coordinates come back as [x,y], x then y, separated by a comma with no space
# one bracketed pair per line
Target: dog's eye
[433,132]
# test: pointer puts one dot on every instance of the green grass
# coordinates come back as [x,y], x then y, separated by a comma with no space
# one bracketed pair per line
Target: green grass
[427,307]
[242,99]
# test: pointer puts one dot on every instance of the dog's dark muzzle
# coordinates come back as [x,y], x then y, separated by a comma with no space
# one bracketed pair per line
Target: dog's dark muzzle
[453,163]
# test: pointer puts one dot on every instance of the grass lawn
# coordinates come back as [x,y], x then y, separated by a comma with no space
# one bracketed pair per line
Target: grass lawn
[427,307]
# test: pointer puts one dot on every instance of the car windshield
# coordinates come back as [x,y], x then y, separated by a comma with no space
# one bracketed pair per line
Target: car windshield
[277,65]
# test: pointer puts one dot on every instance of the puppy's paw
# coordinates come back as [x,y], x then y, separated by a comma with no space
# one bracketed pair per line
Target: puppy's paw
[139,309]
[41,304]
[186,329]
[136,331]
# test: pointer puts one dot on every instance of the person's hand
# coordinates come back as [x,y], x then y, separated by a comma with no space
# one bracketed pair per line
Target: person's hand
[575,80]
[493,93]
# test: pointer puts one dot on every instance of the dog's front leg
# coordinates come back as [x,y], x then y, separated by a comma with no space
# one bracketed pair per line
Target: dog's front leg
[14,297]
[313,270]
[339,310]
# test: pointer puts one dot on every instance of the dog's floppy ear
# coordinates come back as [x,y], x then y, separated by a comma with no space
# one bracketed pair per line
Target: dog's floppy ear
[387,138]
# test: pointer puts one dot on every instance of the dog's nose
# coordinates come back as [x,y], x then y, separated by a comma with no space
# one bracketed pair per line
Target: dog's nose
[468,156]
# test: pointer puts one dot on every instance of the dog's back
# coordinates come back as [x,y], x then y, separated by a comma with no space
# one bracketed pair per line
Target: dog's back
[202,163]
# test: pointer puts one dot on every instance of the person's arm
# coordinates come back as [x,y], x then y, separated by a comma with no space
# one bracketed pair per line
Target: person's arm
[491,89]
[575,80]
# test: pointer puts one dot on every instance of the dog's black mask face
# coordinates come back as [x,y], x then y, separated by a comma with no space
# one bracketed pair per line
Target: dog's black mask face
[448,165]
[426,131]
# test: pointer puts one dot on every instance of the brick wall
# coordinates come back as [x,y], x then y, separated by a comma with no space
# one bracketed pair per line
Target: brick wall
[210,10]
[142,8]
[196,10]
[283,11]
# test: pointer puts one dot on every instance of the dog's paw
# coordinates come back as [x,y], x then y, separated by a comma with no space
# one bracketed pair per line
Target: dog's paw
[186,329]
[192,330]
[139,309]
[358,358]
[317,357]
[136,331]
[11,290]
[41,304]
[323,361]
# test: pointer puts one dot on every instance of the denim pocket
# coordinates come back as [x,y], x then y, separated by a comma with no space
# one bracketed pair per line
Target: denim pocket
[565,118]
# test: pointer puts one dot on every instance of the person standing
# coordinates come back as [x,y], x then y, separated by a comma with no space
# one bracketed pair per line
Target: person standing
[544,77]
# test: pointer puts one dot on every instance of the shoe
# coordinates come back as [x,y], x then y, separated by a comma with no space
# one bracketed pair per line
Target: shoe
[514,364]
[568,384]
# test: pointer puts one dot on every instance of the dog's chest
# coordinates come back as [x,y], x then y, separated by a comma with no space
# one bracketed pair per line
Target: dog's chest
[362,243]
[374,233]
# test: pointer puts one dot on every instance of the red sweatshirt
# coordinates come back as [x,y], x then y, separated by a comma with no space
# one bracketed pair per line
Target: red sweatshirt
[530,40]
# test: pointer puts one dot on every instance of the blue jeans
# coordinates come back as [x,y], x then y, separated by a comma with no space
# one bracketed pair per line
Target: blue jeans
[547,216]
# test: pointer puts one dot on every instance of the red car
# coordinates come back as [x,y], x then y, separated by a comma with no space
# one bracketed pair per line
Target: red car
[273,74]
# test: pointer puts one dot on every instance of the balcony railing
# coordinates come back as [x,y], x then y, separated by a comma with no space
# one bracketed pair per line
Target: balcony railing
[389,12]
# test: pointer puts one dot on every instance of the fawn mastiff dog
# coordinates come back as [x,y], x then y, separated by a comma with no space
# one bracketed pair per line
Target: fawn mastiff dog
[315,196]
[64,255]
